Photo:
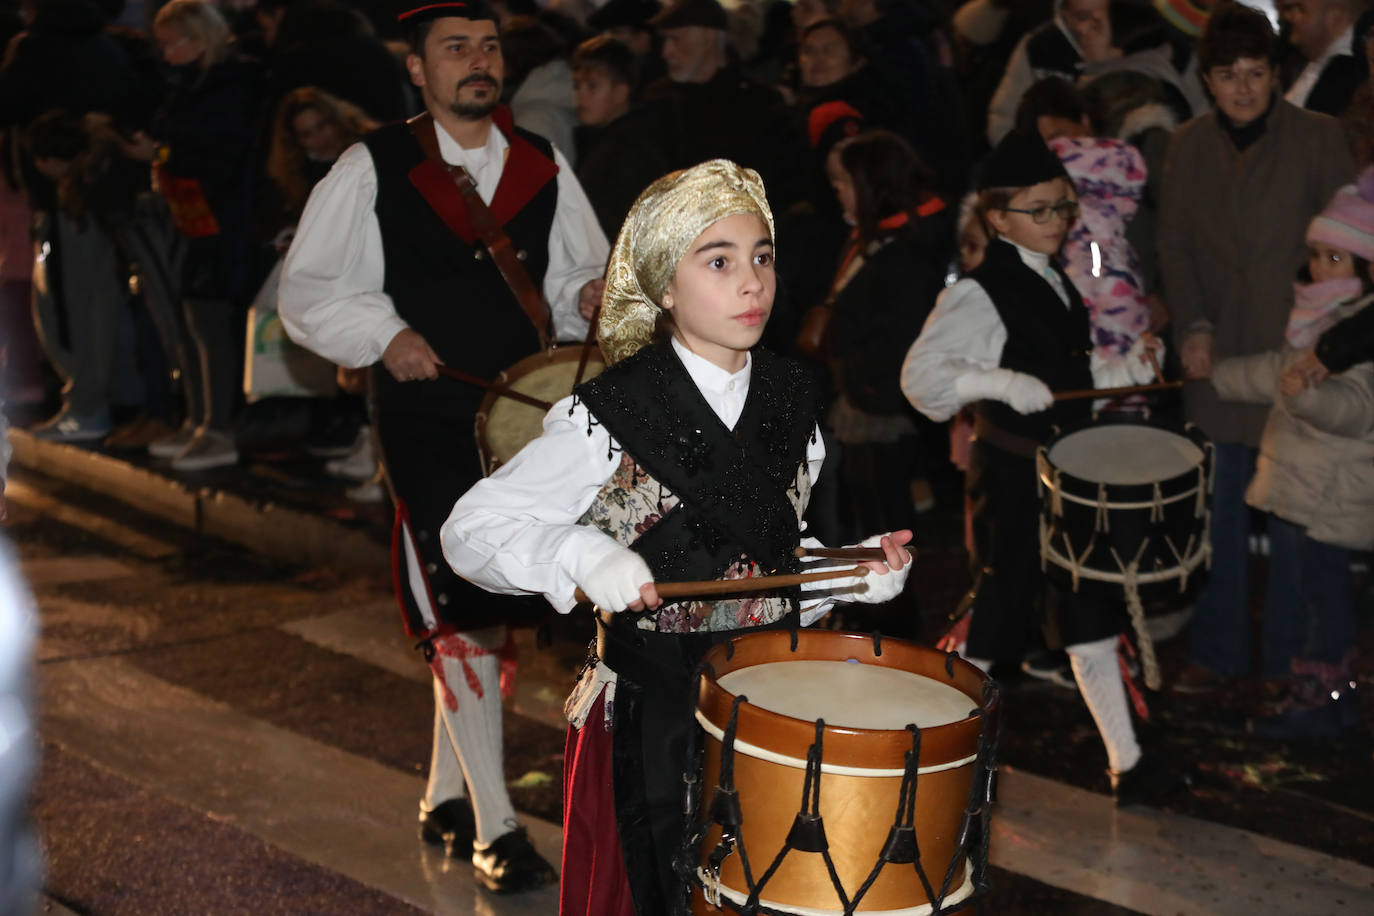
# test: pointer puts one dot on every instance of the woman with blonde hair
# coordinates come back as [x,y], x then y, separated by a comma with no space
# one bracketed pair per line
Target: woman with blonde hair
[192,31]
[310,130]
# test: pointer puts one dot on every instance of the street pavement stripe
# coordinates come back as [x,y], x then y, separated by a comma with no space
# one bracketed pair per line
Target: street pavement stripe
[44,572]
[64,620]
[373,634]
[324,805]
[1163,863]
[141,544]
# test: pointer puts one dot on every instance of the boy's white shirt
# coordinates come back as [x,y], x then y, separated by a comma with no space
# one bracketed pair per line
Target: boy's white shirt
[516,532]
[964,334]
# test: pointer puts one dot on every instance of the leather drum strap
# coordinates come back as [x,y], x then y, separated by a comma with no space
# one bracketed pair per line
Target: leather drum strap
[497,243]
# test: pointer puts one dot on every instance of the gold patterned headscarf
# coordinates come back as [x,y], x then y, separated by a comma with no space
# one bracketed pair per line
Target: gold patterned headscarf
[662,224]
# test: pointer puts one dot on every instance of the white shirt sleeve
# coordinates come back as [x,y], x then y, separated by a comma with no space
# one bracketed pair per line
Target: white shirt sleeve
[963,333]
[578,252]
[1111,371]
[331,298]
[516,532]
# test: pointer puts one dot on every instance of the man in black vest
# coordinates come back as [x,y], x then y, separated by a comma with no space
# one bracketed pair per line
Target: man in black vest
[389,265]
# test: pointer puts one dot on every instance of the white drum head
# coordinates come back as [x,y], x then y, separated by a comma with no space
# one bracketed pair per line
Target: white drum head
[849,694]
[1125,455]
[511,425]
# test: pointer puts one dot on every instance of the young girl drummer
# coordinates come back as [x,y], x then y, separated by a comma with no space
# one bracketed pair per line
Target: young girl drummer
[691,458]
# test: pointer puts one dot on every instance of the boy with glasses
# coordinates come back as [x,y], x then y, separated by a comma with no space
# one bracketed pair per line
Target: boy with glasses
[1003,339]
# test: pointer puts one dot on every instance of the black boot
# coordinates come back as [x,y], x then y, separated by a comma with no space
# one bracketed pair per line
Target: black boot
[1149,783]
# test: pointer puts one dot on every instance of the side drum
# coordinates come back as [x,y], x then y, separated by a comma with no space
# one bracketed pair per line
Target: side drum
[1125,508]
[842,773]
[504,425]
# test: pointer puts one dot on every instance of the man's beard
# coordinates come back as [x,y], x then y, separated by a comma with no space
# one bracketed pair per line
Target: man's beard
[474,111]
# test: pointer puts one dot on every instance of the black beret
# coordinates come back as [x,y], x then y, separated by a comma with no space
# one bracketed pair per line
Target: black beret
[1022,159]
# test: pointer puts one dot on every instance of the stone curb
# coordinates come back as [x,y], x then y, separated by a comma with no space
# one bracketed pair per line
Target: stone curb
[276,531]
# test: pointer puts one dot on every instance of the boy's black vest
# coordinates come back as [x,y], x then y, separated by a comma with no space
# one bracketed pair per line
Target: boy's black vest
[445,286]
[1044,339]
[732,483]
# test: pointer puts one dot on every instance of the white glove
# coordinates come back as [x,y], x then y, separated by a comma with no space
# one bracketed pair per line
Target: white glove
[1138,364]
[1025,393]
[875,588]
[613,584]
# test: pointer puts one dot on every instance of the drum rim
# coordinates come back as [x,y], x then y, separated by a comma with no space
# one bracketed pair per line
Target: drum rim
[1178,487]
[844,745]
[965,890]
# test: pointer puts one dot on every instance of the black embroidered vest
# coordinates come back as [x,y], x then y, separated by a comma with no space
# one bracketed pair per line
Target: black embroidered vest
[729,503]
[447,288]
[1044,339]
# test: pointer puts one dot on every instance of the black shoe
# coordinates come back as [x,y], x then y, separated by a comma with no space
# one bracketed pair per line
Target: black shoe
[450,825]
[1148,783]
[510,864]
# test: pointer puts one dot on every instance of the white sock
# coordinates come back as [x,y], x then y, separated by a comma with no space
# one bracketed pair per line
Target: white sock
[474,734]
[1099,681]
[446,780]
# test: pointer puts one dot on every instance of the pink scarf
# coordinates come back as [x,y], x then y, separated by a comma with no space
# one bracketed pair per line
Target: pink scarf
[1314,308]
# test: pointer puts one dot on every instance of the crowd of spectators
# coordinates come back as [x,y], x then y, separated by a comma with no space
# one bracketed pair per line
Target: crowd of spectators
[156,157]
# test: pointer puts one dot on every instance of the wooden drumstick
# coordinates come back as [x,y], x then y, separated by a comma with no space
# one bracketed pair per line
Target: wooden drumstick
[500,389]
[669,590]
[1154,364]
[842,553]
[588,345]
[1109,393]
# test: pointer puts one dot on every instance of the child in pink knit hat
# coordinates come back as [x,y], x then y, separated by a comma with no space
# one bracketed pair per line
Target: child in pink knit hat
[1315,475]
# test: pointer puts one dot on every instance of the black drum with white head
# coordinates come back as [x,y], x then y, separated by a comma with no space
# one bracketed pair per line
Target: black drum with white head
[1125,508]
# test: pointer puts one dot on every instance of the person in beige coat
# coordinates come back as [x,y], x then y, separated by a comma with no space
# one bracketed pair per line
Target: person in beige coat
[1315,474]
[1240,185]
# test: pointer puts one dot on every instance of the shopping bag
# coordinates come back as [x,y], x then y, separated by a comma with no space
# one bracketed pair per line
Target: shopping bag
[276,366]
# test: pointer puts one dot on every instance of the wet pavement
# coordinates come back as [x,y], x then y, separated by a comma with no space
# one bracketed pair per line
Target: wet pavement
[226,733]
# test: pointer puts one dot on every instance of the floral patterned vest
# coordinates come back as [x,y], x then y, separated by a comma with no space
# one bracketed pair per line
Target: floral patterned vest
[698,500]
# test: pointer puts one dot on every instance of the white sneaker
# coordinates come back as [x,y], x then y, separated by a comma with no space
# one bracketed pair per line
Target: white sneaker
[69,427]
[173,445]
[208,449]
[359,464]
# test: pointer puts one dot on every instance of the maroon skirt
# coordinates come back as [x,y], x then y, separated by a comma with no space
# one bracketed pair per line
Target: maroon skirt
[594,881]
